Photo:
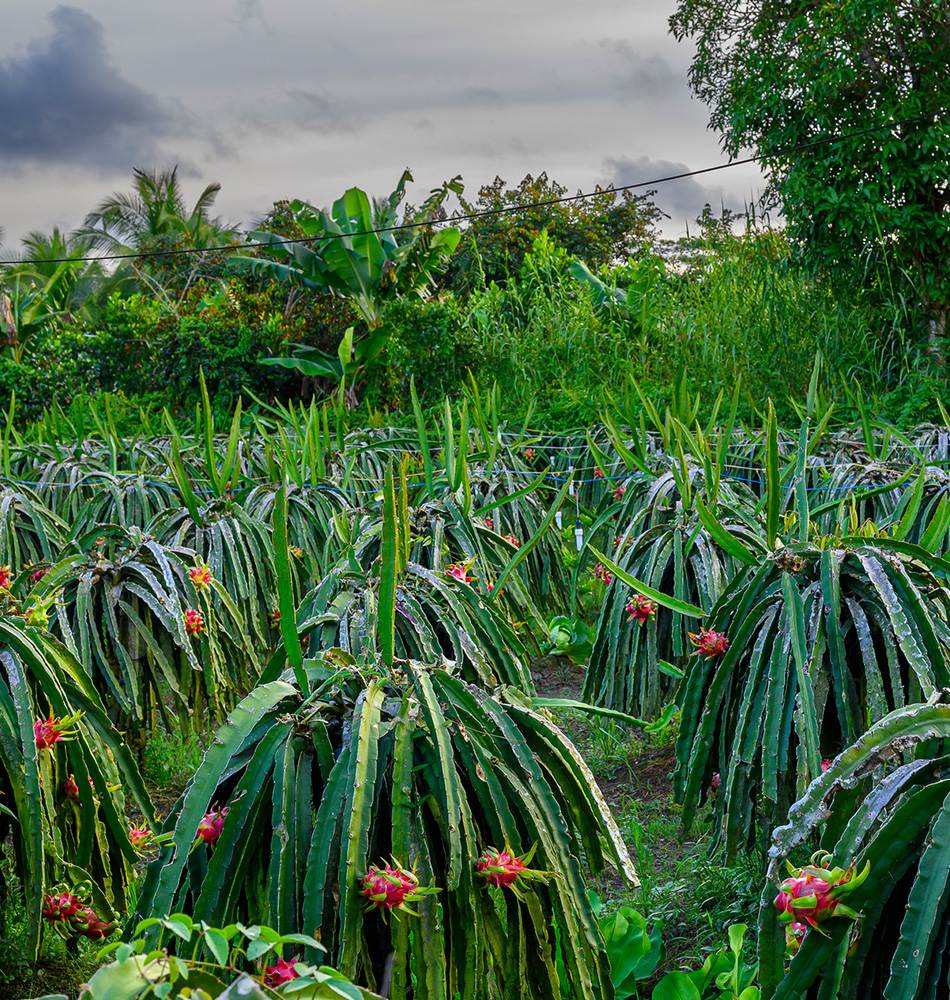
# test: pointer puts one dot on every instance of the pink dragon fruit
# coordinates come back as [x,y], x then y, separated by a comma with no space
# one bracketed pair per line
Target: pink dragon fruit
[200,576]
[210,827]
[282,972]
[60,906]
[194,622]
[503,868]
[641,609]
[390,888]
[709,643]
[813,893]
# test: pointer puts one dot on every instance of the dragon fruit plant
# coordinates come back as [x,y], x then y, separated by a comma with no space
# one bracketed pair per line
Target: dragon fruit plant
[424,761]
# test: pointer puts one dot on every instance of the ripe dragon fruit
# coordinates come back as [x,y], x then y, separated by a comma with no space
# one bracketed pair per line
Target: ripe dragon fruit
[503,868]
[194,622]
[794,933]
[282,972]
[140,837]
[813,893]
[60,906]
[86,924]
[641,609]
[709,643]
[602,573]
[210,827]
[390,888]
[459,571]
[51,730]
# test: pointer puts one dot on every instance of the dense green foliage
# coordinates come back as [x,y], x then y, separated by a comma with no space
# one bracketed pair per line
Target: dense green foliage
[781,76]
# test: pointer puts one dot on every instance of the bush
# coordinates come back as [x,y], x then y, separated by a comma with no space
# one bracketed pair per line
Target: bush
[139,349]
[431,344]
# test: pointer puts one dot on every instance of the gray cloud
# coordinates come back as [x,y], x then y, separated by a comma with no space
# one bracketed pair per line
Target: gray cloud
[247,12]
[317,112]
[641,75]
[481,97]
[65,102]
[681,199]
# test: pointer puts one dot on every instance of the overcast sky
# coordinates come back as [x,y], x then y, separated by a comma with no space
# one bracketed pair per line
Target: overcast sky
[304,98]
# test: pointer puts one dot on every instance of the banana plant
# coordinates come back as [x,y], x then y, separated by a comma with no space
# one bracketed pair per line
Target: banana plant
[361,255]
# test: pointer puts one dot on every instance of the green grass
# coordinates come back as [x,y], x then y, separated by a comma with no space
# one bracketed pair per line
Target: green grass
[172,758]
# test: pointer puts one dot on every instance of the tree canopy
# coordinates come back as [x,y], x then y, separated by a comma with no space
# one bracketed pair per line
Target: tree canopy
[608,227]
[780,75]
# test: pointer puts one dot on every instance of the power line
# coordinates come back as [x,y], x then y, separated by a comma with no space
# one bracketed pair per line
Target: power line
[469,216]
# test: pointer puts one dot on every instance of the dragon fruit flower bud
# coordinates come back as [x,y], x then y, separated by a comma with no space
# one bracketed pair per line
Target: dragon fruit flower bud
[709,643]
[641,609]
[194,622]
[282,972]
[200,576]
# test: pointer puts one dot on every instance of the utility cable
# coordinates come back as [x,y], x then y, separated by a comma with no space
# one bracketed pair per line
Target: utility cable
[505,210]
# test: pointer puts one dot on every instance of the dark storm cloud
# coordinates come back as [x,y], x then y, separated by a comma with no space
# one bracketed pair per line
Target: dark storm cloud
[65,101]
[681,199]
[636,75]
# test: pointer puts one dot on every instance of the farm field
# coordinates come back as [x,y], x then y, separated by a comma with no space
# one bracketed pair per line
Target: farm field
[463,709]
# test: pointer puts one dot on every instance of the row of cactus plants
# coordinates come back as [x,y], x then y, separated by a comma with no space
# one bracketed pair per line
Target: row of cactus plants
[387,648]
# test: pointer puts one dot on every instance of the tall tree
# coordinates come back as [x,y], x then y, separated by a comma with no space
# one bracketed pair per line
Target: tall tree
[153,217]
[609,226]
[782,73]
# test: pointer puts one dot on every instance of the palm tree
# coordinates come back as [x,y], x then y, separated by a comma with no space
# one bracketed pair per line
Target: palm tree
[131,222]
[153,218]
